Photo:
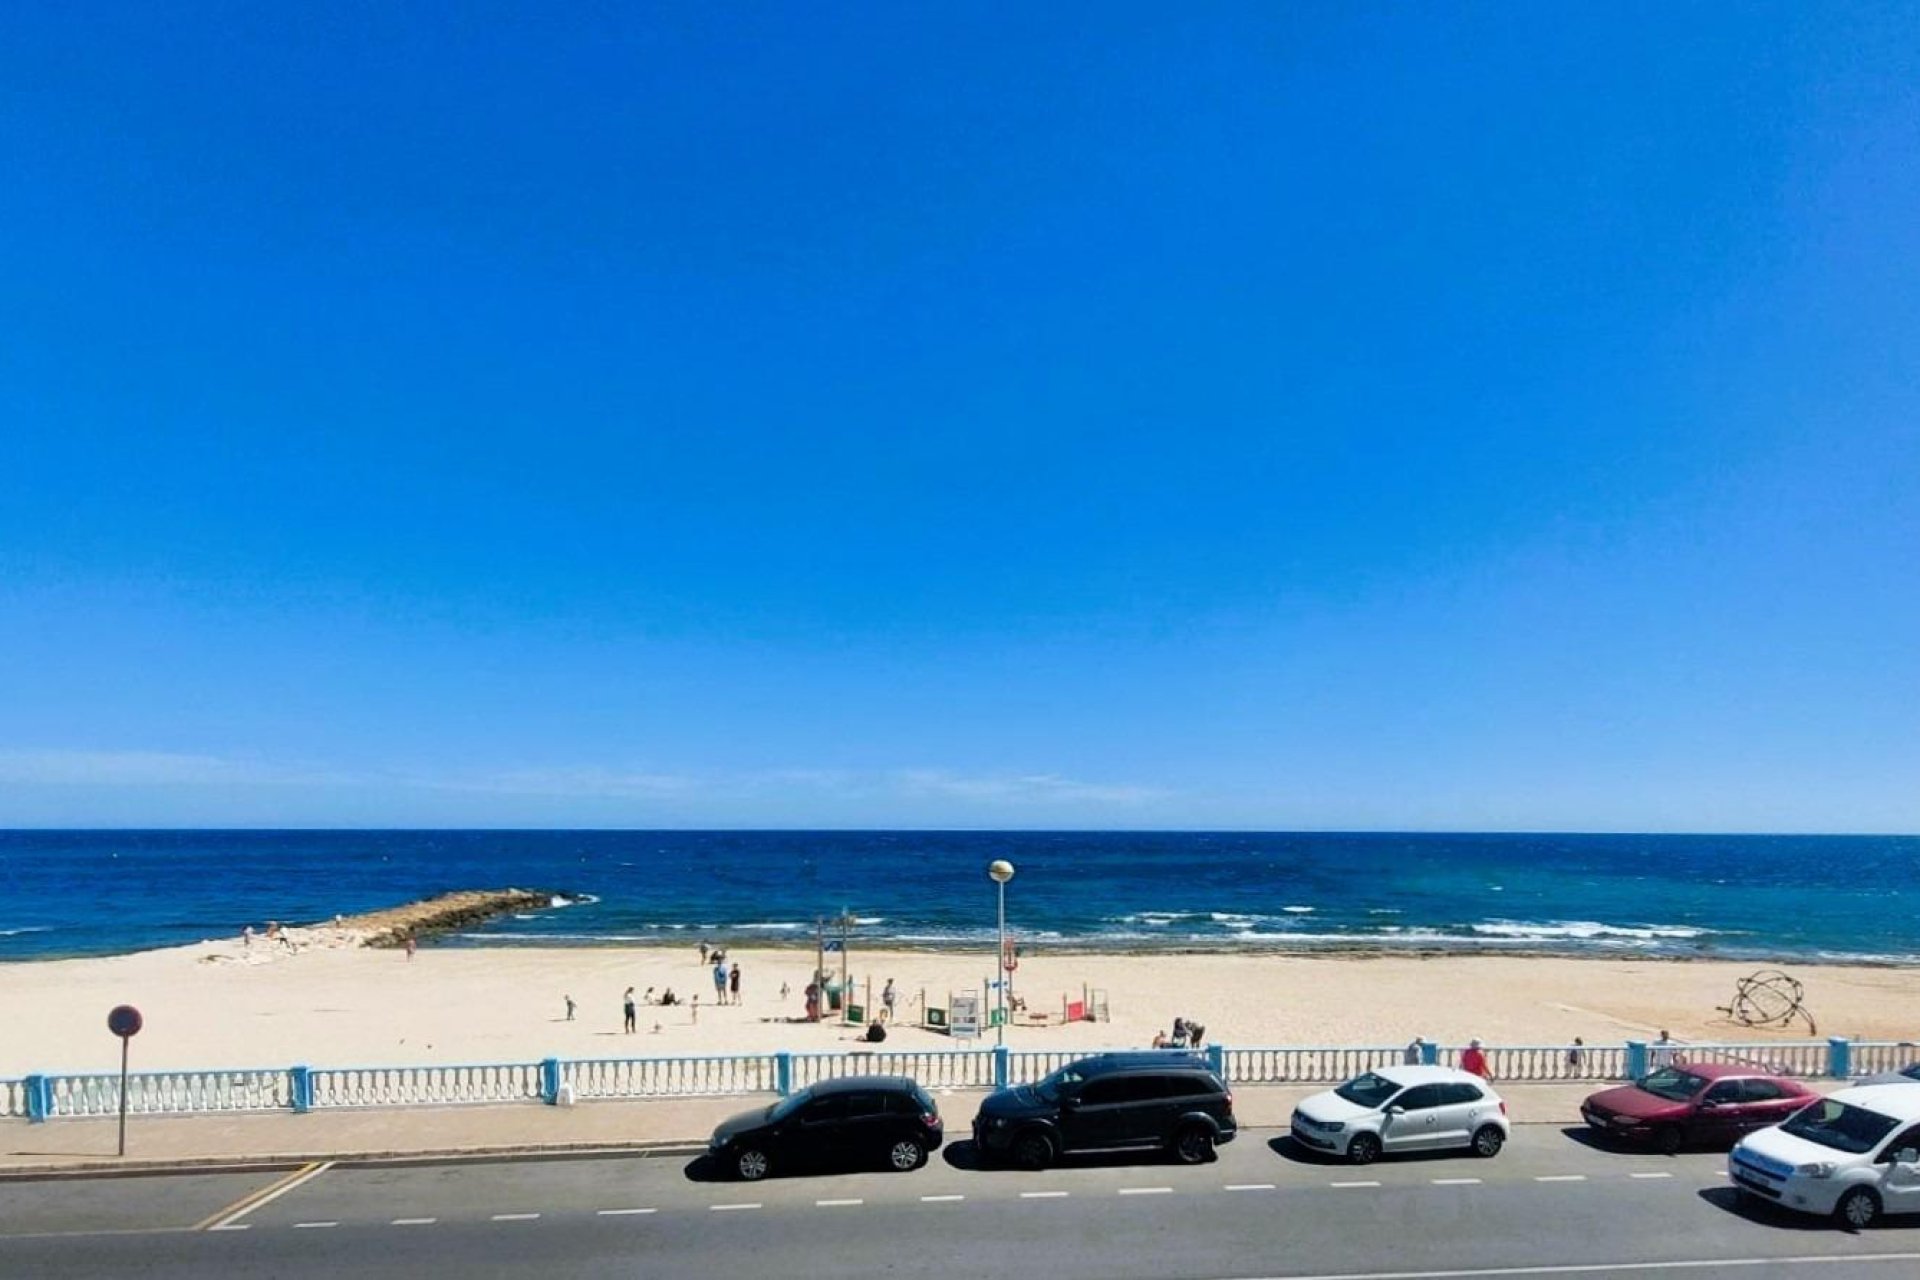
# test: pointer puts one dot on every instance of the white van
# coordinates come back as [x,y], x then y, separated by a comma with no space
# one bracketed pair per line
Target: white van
[1854,1154]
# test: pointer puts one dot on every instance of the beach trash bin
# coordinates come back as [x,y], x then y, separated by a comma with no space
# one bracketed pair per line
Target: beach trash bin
[833,995]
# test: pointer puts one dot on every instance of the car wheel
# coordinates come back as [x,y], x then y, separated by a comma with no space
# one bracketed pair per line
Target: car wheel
[1363,1149]
[1488,1140]
[1858,1209]
[751,1164]
[1033,1151]
[1666,1140]
[907,1154]
[1193,1145]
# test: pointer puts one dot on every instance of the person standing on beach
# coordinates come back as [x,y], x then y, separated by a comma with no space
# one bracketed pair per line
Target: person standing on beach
[1663,1055]
[569,1000]
[887,998]
[733,983]
[627,1002]
[720,982]
[246,936]
[411,944]
[1411,1057]
[703,951]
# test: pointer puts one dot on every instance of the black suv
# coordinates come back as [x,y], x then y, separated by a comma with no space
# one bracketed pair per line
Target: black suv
[887,1120]
[1171,1101]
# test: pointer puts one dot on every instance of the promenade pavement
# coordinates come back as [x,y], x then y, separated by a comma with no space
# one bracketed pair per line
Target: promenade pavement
[668,1124]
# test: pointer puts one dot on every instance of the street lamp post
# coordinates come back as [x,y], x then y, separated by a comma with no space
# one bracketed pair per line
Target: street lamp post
[1001,871]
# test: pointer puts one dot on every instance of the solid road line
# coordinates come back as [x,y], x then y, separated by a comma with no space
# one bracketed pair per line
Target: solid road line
[1597,1268]
[254,1199]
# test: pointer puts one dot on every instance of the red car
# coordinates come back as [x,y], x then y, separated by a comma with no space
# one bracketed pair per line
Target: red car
[1707,1104]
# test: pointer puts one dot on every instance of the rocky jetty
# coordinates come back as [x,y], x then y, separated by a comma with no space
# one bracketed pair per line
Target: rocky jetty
[392,926]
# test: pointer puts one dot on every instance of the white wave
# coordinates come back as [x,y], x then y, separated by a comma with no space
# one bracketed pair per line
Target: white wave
[1383,911]
[1583,930]
[771,926]
[869,919]
[1298,911]
[27,928]
[1230,917]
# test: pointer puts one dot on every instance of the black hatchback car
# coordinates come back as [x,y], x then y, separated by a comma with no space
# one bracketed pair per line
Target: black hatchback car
[884,1120]
[1113,1101]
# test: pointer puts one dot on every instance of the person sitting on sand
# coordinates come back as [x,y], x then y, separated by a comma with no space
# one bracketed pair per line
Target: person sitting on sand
[649,996]
[667,997]
[1159,1039]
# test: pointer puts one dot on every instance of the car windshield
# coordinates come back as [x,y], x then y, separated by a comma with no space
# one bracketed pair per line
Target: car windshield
[1912,1072]
[1854,1130]
[1369,1091]
[1673,1084]
[789,1104]
[1049,1088]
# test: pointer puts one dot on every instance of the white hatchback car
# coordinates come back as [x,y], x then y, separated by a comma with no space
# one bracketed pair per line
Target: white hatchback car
[1403,1109]
[1854,1154]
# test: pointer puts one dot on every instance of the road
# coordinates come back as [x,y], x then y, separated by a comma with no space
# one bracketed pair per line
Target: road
[1550,1205]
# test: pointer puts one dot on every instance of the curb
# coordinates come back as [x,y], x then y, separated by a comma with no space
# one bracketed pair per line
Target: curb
[118,1168]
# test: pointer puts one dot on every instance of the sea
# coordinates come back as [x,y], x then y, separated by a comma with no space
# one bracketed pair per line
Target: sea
[1753,897]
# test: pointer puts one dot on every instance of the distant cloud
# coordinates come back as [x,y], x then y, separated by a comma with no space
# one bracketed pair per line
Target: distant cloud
[578,782]
[1021,789]
[144,769]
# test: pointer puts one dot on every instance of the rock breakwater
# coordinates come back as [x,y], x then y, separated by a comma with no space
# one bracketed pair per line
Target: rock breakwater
[392,926]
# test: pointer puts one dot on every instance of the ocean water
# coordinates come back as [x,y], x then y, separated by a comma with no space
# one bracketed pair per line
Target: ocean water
[1780,898]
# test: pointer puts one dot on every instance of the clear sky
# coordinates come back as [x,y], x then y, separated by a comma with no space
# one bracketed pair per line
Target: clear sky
[1297,416]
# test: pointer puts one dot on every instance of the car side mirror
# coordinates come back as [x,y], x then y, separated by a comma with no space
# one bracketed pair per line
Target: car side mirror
[1395,1109]
[1907,1155]
[1069,1099]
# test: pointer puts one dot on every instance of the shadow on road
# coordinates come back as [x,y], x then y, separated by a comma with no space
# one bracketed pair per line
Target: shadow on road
[1766,1214]
[966,1154]
[1288,1148]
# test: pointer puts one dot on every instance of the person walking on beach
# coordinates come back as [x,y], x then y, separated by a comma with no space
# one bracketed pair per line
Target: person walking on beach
[1474,1059]
[569,1000]
[629,1011]
[733,983]
[703,951]
[694,1004]
[720,983]
[887,998]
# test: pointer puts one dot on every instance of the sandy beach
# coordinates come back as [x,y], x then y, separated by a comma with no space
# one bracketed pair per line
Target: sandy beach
[331,1002]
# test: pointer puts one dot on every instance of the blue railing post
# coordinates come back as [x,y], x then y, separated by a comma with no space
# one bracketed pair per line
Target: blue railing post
[300,1085]
[1636,1059]
[1839,1057]
[1429,1052]
[1001,1064]
[783,1073]
[39,1098]
[550,1081]
[1217,1059]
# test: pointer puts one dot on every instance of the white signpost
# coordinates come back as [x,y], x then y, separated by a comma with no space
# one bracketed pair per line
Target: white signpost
[963,1019]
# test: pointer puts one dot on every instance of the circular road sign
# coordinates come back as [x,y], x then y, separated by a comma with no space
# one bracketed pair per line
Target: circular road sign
[124,1021]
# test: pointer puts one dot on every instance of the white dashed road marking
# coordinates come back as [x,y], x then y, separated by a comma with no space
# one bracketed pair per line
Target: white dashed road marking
[1249,1186]
[1561,1177]
[1456,1182]
[1649,1175]
[414,1222]
[830,1204]
[266,1195]
[621,1213]
[1353,1184]
[722,1208]
[515,1217]
[1044,1195]
[304,1226]
[940,1199]
[234,1226]
[1146,1191]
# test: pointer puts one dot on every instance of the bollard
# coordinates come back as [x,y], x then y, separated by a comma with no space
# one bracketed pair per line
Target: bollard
[783,1073]
[300,1086]
[1000,1067]
[550,1081]
[1636,1059]
[39,1098]
[1429,1052]
[1217,1059]
[1839,1057]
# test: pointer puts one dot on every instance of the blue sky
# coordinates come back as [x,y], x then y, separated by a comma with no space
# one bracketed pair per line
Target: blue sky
[1315,416]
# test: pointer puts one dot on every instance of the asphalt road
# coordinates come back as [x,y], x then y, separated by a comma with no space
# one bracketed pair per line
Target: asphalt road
[1550,1205]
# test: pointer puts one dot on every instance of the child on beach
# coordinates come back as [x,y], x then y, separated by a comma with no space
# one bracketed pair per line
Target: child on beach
[733,983]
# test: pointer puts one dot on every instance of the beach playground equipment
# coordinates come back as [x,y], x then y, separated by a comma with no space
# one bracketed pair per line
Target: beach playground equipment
[1769,998]
[1089,1006]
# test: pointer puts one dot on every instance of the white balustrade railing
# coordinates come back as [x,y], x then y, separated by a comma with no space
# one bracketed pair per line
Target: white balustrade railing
[1546,1062]
[1807,1059]
[932,1068]
[670,1077]
[153,1093]
[13,1098]
[1297,1065]
[1873,1056]
[421,1086]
